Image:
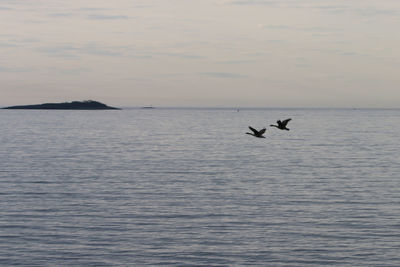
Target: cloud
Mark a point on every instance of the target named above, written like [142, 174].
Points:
[277, 27]
[76, 51]
[346, 6]
[316, 29]
[106, 17]
[339, 52]
[181, 55]
[28, 40]
[8, 45]
[226, 75]
[101, 51]
[61, 15]
[377, 12]
[234, 62]
[7, 69]
[275, 41]
[94, 9]
[254, 2]
[65, 51]
[371, 11]
[347, 53]
[70, 71]
[332, 8]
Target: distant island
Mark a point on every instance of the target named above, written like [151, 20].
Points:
[78, 105]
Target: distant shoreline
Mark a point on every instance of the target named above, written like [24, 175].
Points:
[74, 105]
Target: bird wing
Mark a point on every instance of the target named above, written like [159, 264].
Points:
[254, 130]
[262, 131]
[285, 122]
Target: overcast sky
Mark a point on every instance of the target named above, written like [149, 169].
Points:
[228, 53]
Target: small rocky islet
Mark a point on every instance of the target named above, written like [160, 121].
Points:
[75, 105]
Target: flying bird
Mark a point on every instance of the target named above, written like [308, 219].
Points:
[281, 124]
[256, 133]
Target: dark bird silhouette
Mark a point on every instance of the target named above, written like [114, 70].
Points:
[281, 124]
[256, 133]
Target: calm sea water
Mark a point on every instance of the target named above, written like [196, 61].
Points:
[188, 187]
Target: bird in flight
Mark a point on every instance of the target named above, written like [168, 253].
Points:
[256, 133]
[281, 124]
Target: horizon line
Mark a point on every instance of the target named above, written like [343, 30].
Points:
[238, 107]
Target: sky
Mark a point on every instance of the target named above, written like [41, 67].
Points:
[208, 53]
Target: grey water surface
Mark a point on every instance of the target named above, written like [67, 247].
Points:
[188, 187]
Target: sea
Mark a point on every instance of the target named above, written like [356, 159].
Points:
[189, 187]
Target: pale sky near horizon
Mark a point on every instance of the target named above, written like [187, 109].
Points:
[226, 53]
